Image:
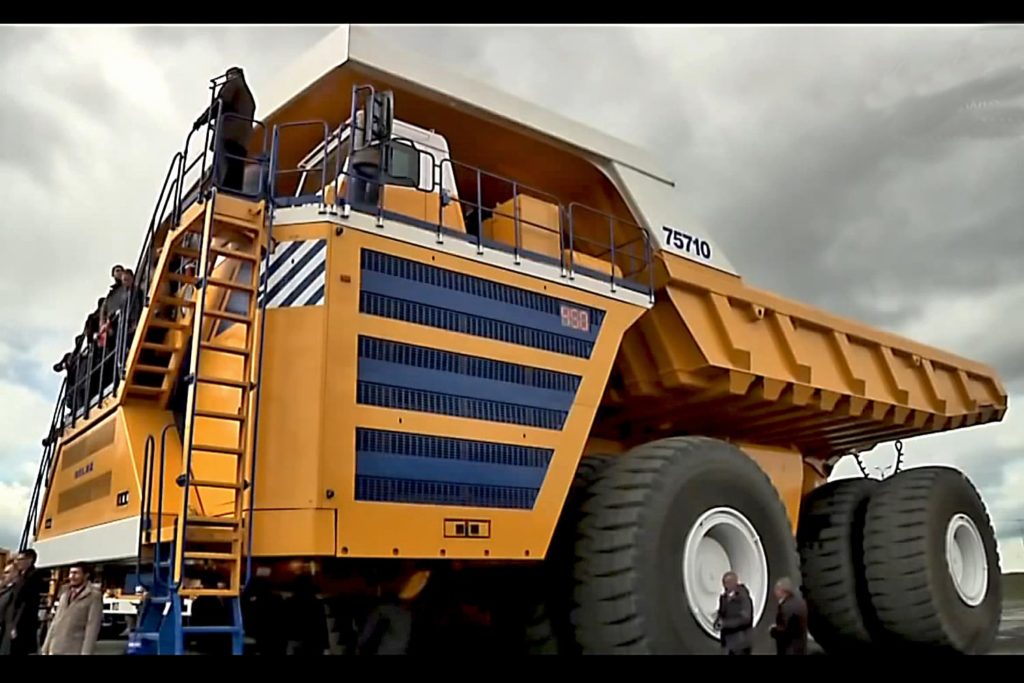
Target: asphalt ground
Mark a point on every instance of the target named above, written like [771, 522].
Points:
[1009, 642]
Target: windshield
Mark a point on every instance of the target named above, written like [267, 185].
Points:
[433, 171]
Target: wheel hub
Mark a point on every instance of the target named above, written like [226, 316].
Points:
[722, 539]
[966, 559]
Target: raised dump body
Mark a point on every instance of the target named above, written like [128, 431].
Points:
[719, 357]
[439, 332]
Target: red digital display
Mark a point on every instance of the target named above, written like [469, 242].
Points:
[575, 318]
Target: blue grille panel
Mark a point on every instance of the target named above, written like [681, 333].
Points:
[404, 443]
[453, 321]
[428, 295]
[457, 406]
[473, 366]
[387, 264]
[372, 489]
[398, 467]
[407, 377]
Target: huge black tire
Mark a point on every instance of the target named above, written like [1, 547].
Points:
[561, 558]
[631, 588]
[830, 537]
[909, 578]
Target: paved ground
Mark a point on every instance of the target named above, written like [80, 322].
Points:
[1011, 631]
[1010, 641]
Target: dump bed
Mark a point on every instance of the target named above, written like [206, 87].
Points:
[723, 358]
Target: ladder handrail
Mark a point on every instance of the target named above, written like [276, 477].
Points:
[160, 509]
[145, 503]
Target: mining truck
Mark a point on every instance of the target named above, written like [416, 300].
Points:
[446, 361]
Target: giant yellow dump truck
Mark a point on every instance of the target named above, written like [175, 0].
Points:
[445, 363]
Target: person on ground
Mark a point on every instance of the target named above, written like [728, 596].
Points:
[790, 628]
[7, 583]
[76, 625]
[31, 584]
[735, 619]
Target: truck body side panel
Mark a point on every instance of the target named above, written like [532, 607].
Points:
[457, 401]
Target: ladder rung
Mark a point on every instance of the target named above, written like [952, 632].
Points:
[213, 346]
[230, 253]
[185, 251]
[212, 592]
[210, 484]
[169, 324]
[181, 277]
[175, 301]
[218, 415]
[151, 391]
[165, 348]
[210, 556]
[229, 284]
[155, 369]
[236, 223]
[209, 448]
[227, 315]
[198, 520]
[223, 381]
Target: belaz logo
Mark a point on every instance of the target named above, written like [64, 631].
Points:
[84, 470]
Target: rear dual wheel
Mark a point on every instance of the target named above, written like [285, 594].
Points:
[907, 562]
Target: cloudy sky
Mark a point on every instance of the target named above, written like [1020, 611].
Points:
[872, 171]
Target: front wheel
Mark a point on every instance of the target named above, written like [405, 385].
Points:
[659, 528]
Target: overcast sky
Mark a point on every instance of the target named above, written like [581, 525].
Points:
[875, 172]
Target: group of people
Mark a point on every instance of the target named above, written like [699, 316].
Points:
[74, 628]
[735, 618]
[122, 305]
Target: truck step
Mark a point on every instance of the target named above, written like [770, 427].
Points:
[198, 520]
[226, 557]
[204, 630]
[145, 391]
[163, 348]
[212, 346]
[218, 415]
[223, 381]
[210, 448]
[226, 315]
[169, 324]
[185, 251]
[182, 278]
[229, 253]
[211, 484]
[155, 369]
[228, 284]
[175, 301]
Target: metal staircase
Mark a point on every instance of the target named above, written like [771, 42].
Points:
[202, 325]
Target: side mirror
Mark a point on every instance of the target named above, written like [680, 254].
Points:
[401, 164]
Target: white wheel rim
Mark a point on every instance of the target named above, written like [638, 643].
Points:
[722, 540]
[966, 559]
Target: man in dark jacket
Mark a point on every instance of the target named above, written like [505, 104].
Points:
[238, 105]
[31, 585]
[735, 617]
[6, 599]
[790, 629]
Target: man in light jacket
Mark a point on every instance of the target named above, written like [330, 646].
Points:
[76, 625]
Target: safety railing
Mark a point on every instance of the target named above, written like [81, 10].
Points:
[147, 520]
[622, 255]
[45, 467]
